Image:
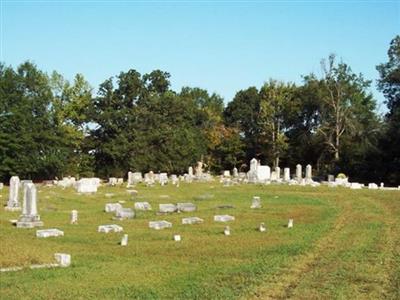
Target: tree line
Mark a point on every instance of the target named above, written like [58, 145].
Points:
[51, 127]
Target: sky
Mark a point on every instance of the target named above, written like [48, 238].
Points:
[221, 46]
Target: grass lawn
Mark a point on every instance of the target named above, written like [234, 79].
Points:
[345, 244]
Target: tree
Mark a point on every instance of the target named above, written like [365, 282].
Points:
[275, 100]
[389, 84]
[242, 113]
[344, 102]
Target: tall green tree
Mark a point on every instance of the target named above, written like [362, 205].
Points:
[275, 101]
[389, 84]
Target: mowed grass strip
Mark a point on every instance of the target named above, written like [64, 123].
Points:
[206, 264]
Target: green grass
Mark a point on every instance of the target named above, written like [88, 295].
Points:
[345, 244]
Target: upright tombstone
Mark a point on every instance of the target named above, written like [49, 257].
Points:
[1, 185]
[256, 202]
[235, 172]
[278, 173]
[124, 241]
[299, 175]
[130, 179]
[29, 217]
[286, 174]
[74, 216]
[290, 223]
[227, 230]
[163, 178]
[13, 202]
[308, 173]
[262, 227]
[263, 173]
[199, 169]
[190, 171]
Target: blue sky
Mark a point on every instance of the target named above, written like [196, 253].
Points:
[222, 46]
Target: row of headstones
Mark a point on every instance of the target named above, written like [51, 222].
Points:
[259, 172]
[158, 225]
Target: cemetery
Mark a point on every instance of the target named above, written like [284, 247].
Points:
[199, 149]
[254, 238]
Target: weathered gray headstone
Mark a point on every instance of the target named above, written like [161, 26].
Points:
[74, 216]
[110, 228]
[223, 218]
[142, 206]
[30, 217]
[167, 208]
[192, 220]
[124, 214]
[256, 202]
[186, 207]
[308, 173]
[53, 232]
[13, 201]
[227, 230]
[124, 241]
[160, 224]
[112, 207]
[299, 175]
[286, 174]
[63, 259]
[290, 223]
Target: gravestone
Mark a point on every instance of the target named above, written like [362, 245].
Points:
[177, 238]
[167, 208]
[120, 181]
[160, 224]
[74, 216]
[331, 178]
[66, 182]
[262, 228]
[186, 207]
[13, 201]
[256, 202]
[235, 172]
[63, 259]
[372, 186]
[87, 185]
[290, 223]
[112, 181]
[192, 220]
[45, 233]
[227, 230]
[30, 217]
[174, 179]
[223, 218]
[263, 173]
[163, 179]
[227, 173]
[278, 173]
[112, 207]
[299, 175]
[110, 228]
[190, 171]
[1, 185]
[286, 174]
[124, 214]
[124, 241]
[274, 176]
[142, 206]
[308, 173]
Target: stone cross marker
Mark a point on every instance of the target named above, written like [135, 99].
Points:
[13, 203]
[29, 217]
[74, 216]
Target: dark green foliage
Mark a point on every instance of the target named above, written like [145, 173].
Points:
[50, 127]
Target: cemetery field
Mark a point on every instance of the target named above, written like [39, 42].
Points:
[344, 244]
